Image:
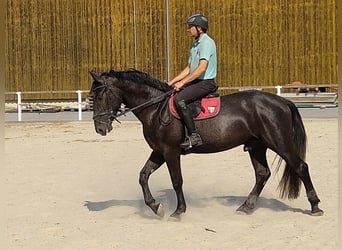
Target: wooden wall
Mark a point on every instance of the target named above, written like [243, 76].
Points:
[51, 44]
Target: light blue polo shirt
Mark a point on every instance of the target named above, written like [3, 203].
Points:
[204, 48]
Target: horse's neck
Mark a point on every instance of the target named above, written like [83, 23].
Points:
[136, 94]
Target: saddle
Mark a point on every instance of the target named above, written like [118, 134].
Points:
[205, 108]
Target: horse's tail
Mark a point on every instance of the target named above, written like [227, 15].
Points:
[290, 183]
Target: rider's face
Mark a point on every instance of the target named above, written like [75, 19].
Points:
[192, 30]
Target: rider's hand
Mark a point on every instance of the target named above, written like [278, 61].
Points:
[178, 86]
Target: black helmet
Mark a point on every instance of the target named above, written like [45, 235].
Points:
[198, 20]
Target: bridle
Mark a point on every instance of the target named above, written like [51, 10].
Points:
[112, 116]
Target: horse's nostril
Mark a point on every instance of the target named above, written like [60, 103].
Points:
[100, 131]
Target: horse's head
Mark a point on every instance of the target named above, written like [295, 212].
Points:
[106, 102]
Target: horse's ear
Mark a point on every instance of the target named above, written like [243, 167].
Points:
[94, 75]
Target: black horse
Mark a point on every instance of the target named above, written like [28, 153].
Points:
[255, 119]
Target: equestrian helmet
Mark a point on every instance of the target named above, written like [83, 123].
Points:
[198, 20]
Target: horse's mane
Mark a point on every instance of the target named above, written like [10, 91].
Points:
[138, 76]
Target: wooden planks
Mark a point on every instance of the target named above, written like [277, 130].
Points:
[51, 44]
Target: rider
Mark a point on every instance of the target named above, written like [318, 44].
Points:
[196, 80]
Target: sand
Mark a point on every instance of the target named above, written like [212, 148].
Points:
[69, 188]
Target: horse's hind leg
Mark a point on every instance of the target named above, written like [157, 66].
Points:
[302, 171]
[153, 163]
[262, 173]
[310, 191]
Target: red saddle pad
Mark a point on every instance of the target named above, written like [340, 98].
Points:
[211, 108]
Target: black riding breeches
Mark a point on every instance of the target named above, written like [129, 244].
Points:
[195, 90]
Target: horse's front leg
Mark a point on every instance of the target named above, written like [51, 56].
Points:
[173, 164]
[153, 163]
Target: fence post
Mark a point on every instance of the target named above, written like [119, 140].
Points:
[278, 87]
[79, 98]
[19, 105]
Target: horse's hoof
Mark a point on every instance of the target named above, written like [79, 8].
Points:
[243, 209]
[160, 210]
[175, 217]
[317, 213]
[177, 214]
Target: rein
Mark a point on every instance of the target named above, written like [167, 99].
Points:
[113, 116]
[144, 105]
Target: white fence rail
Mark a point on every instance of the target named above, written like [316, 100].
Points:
[19, 99]
[315, 97]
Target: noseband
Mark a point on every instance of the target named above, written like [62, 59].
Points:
[111, 117]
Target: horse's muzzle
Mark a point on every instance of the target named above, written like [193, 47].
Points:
[103, 128]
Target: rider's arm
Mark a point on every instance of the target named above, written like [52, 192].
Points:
[194, 75]
[181, 75]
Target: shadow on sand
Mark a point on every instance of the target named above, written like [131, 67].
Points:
[168, 199]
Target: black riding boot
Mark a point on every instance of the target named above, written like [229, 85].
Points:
[193, 139]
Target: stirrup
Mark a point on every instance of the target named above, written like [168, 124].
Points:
[191, 141]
